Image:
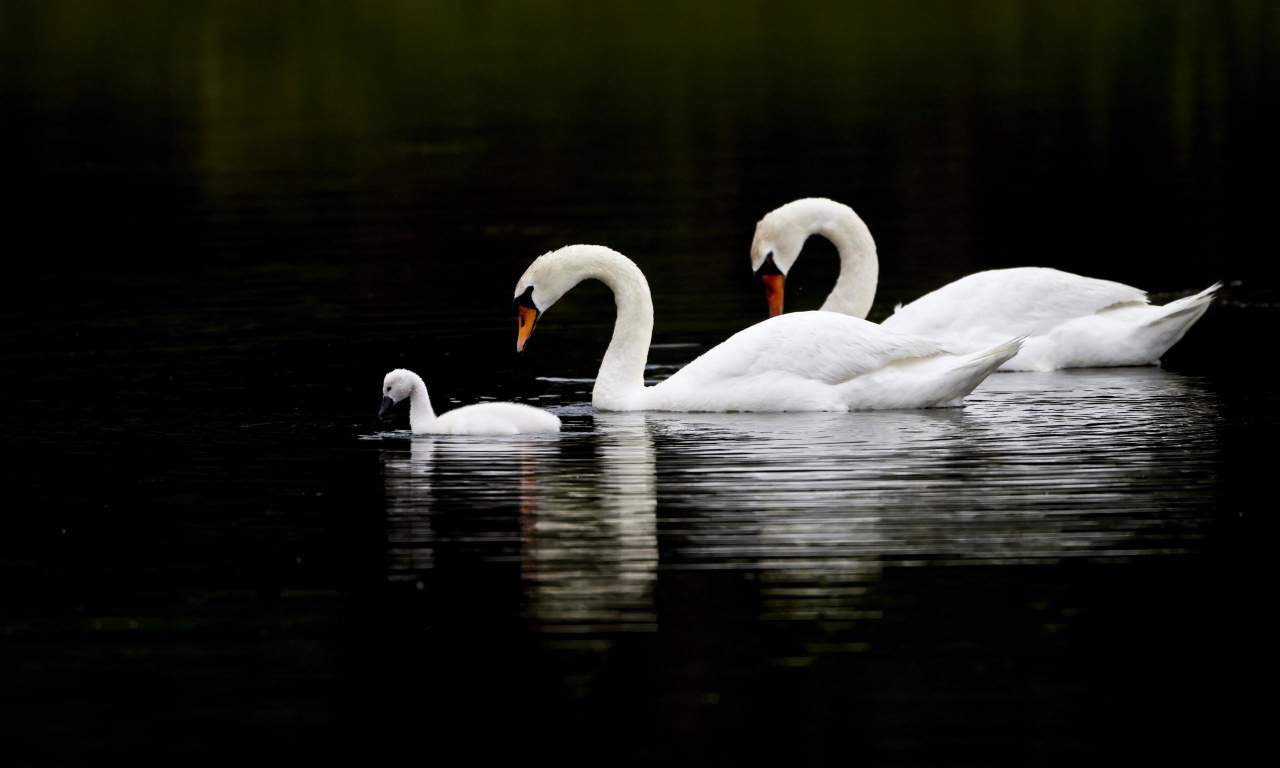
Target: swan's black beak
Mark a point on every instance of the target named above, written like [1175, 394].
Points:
[774, 281]
[386, 405]
[526, 316]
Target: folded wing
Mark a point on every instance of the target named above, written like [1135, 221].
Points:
[812, 346]
[1007, 302]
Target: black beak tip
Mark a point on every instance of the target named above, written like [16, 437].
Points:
[768, 267]
[386, 405]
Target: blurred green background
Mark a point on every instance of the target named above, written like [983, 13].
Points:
[1128, 140]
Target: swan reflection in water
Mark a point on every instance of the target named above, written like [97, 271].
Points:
[591, 549]
[1036, 466]
[1035, 469]
[586, 506]
[408, 483]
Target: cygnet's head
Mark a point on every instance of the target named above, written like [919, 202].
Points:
[780, 236]
[396, 386]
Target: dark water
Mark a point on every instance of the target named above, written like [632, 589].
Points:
[229, 220]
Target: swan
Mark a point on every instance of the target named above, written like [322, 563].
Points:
[479, 419]
[805, 361]
[1070, 321]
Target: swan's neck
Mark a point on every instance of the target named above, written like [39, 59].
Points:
[620, 383]
[621, 379]
[420, 412]
[859, 267]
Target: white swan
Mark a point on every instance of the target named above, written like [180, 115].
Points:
[1070, 321]
[479, 419]
[806, 361]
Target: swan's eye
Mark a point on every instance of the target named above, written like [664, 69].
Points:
[388, 389]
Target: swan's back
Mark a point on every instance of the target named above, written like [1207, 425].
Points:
[1072, 321]
[999, 303]
[806, 361]
[819, 346]
[495, 419]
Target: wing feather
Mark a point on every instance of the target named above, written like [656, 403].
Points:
[1026, 300]
[814, 346]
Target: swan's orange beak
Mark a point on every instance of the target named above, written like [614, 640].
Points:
[773, 292]
[773, 280]
[527, 317]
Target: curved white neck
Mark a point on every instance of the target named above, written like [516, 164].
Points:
[420, 411]
[855, 289]
[621, 379]
[620, 383]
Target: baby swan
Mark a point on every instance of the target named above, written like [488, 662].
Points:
[480, 419]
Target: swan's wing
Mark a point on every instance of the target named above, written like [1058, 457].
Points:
[1009, 302]
[816, 346]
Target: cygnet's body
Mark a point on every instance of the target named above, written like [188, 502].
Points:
[479, 419]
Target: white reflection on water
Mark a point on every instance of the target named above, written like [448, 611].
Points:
[591, 549]
[588, 543]
[409, 501]
[1035, 468]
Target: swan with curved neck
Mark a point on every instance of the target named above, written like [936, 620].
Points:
[1070, 321]
[479, 419]
[781, 234]
[805, 361]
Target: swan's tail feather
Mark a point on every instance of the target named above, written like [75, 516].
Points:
[965, 372]
[993, 358]
[1191, 307]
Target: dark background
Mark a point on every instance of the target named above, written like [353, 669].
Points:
[409, 159]
[226, 221]
[1127, 140]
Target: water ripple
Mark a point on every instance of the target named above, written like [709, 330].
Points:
[1036, 468]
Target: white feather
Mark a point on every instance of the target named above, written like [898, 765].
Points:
[479, 419]
[807, 361]
[1070, 321]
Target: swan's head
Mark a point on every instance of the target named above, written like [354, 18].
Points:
[551, 276]
[396, 386]
[780, 236]
[774, 249]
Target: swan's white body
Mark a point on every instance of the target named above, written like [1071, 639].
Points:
[807, 361]
[479, 419]
[1069, 321]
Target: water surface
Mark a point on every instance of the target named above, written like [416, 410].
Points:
[233, 218]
